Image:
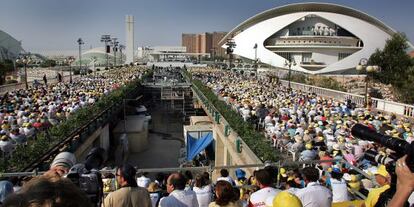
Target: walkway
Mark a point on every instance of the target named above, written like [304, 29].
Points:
[165, 140]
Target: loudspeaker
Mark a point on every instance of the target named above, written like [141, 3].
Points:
[108, 49]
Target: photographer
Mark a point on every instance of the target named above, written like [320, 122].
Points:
[405, 184]
[61, 164]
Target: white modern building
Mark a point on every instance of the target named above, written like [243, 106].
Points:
[320, 38]
[166, 53]
[9, 47]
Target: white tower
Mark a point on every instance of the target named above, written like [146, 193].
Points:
[129, 23]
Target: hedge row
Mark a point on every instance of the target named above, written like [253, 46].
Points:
[254, 139]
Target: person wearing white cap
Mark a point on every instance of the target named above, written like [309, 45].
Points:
[62, 163]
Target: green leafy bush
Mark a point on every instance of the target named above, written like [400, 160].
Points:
[255, 140]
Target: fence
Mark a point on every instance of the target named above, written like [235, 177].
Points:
[377, 104]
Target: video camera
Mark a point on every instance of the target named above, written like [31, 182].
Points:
[399, 146]
[87, 177]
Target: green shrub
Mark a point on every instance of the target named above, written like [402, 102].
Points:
[11, 81]
[255, 140]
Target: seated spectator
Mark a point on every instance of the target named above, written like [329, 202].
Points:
[155, 193]
[224, 195]
[383, 178]
[225, 176]
[314, 194]
[285, 199]
[7, 145]
[308, 154]
[241, 177]
[203, 191]
[143, 181]
[264, 181]
[338, 186]
[178, 197]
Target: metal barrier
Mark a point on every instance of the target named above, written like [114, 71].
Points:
[377, 104]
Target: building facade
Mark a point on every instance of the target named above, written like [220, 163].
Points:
[321, 38]
[204, 43]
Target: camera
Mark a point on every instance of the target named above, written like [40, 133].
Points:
[87, 177]
[374, 156]
[399, 146]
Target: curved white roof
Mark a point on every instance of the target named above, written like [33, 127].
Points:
[258, 28]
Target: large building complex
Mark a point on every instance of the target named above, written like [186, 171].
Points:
[9, 47]
[319, 37]
[204, 43]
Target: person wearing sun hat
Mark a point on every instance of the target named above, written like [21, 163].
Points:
[308, 153]
[383, 178]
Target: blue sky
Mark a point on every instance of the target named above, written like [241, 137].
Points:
[55, 25]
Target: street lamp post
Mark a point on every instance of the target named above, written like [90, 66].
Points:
[69, 61]
[80, 43]
[24, 59]
[115, 48]
[363, 66]
[289, 63]
[106, 39]
[230, 46]
[121, 47]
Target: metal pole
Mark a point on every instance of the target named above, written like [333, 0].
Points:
[25, 76]
[107, 57]
[366, 90]
[290, 67]
[70, 72]
[114, 56]
[80, 59]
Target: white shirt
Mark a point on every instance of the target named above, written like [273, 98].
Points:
[204, 195]
[258, 198]
[339, 190]
[179, 198]
[143, 181]
[228, 179]
[315, 195]
[154, 198]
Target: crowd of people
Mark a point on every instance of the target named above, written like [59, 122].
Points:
[308, 126]
[25, 112]
[266, 187]
[304, 124]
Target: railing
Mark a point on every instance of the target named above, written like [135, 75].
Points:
[377, 104]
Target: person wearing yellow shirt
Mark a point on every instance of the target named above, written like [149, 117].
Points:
[383, 178]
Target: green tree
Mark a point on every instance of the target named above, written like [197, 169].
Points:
[48, 63]
[6, 66]
[394, 61]
[397, 67]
